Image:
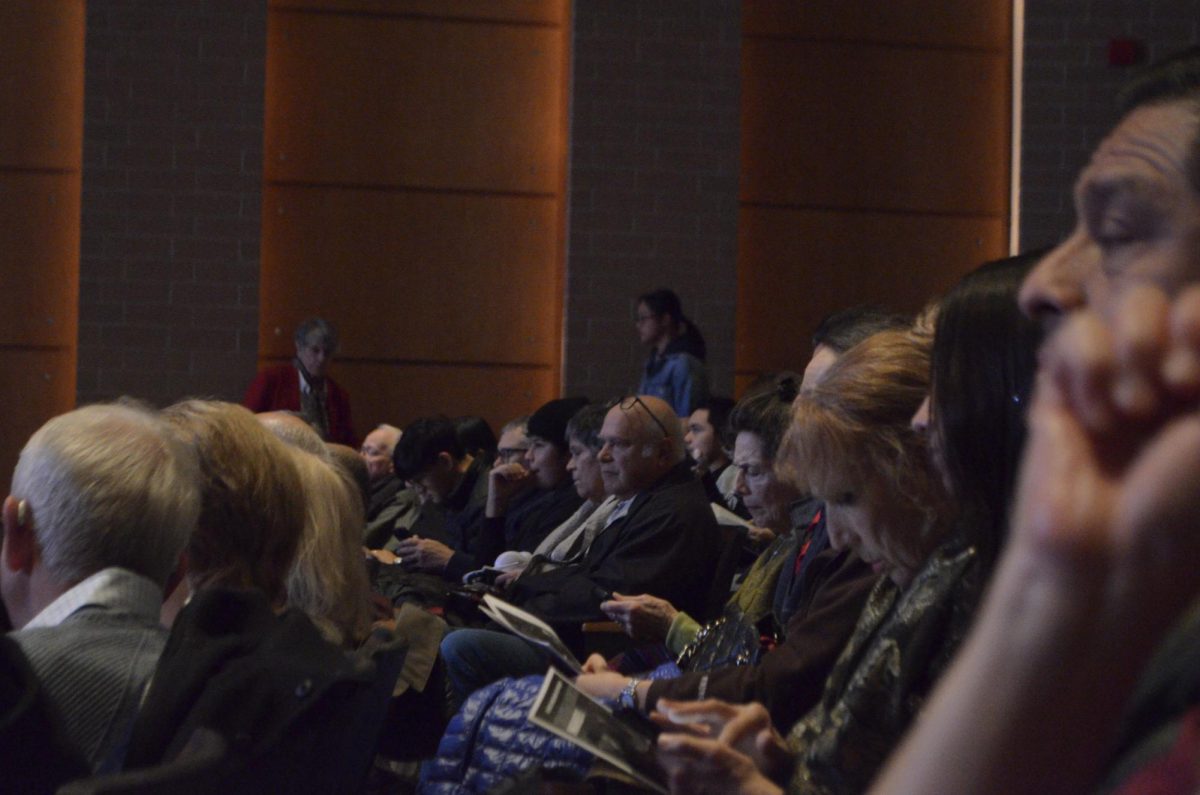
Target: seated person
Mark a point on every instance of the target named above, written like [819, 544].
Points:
[392, 506]
[476, 437]
[523, 503]
[661, 538]
[1081, 674]
[431, 458]
[523, 519]
[799, 584]
[705, 437]
[238, 661]
[570, 540]
[103, 501]
[937, 562]
[513, 442]
[328, 580]
[304, 387]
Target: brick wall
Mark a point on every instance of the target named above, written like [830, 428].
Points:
[653, 185]
[172, 172]
[1069, 92]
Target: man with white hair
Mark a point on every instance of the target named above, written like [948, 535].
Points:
[103, 502]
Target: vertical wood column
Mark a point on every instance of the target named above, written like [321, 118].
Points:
[875, 160]
[41, 135]
[413, 195]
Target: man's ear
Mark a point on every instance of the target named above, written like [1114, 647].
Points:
[20, 547]
[445, 460]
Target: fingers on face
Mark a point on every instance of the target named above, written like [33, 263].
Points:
[1181, 366]
[1079, 368]
[1141, 342]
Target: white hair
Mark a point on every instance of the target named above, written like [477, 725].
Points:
[109, 485]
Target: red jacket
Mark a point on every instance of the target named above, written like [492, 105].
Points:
[278, 389]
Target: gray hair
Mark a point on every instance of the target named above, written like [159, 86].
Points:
[326, 334]
[109, 485]
[292, 429]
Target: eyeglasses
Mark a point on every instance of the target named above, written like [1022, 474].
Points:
[628, 403]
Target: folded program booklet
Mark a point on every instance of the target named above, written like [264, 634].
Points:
[531, 628]
[562, 709]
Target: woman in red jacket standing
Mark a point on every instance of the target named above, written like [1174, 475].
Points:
[303, 386]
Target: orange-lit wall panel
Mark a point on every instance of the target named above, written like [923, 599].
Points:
[41, 133]
[838, 260]
[414, 189]
[875, 160]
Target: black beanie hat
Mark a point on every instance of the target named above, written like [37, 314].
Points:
[550, 421]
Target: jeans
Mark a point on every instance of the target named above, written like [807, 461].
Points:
[478, 657]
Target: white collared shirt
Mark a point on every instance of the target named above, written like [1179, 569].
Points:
[620, 511]
[111, 588]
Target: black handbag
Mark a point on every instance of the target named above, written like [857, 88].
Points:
[729, 640]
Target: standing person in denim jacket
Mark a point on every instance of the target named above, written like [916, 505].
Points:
[675, 370]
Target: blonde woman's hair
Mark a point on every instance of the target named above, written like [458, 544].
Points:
[854, 426]
[329, 579]
[251, 505]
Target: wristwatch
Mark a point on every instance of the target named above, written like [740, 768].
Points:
[628, 697]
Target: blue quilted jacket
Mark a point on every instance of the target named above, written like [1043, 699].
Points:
[489, 741]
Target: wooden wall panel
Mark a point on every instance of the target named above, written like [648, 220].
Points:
[796, 266]
[415, 169]
[438, 277]
[39, 248]
[41, 90]
[420, 103]
[911, 22]
[859, 126]
[41, 147]
[399, 394]
[875, 160]
[43, 386]
[549, 12]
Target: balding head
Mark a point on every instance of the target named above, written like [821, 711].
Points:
[377, 451]
[291, 428]
[643, 441]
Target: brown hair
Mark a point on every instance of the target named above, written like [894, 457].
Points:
[329, 578]
[855, 425]
[251, 510]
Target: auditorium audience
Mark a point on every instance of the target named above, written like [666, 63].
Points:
[799, 584]
[675, 370]
[304, 386]
[661, 538]
[882, 486]
[104, 499]
[936, 568]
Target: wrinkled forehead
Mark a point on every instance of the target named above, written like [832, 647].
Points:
[1155, 142]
